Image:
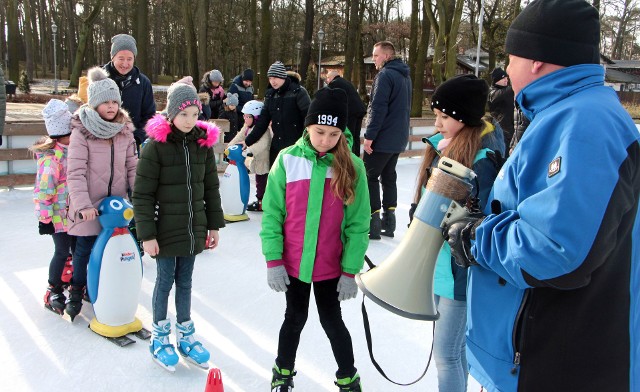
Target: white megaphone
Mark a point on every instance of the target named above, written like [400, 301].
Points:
[403, 282]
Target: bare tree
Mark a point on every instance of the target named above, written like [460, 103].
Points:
[85, 30]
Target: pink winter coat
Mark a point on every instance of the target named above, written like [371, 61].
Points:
[97, 168]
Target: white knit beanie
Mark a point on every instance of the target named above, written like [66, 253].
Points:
[57, 118]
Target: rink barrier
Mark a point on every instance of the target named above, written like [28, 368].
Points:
[18, 166]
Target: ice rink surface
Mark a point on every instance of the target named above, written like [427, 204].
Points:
[237, 318]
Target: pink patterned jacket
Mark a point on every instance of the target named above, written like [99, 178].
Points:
[50, 190]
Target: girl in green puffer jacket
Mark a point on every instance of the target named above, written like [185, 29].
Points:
[176, 202]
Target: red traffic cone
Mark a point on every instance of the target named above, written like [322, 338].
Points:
[214, 381]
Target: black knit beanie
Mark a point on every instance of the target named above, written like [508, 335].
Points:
[561, 32]
[329, 107]
[463, 98]
[497, 75]
[247, 74]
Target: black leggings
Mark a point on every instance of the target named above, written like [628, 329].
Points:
[64, 245]
[295, 316]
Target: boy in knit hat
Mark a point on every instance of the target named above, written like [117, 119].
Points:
[50, 197]
[177, 215]
[101, 142]
[135, 88]
[554, 266]
[243, 86]
[211, 84]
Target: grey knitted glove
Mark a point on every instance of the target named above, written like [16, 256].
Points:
[278, 278]
[347, 288]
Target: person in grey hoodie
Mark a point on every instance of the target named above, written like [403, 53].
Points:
[386, 135]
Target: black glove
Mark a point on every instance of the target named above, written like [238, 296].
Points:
[46, 228]
[459, 235]
[412, 211]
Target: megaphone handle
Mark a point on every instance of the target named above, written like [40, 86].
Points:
[367, 333]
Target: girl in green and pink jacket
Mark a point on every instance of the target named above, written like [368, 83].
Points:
[315, 232]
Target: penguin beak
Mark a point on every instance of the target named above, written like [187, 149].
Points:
[128, 214]
[226, 152]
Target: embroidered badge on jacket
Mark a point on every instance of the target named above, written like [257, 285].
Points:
[554, 167]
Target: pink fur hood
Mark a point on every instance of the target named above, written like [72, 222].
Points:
[158, 128]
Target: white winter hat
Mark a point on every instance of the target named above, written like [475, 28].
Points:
[57, 118]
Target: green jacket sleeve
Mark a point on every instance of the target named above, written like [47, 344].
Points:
[144, 192]
[274, 212]
[355, 231]
[213, 204]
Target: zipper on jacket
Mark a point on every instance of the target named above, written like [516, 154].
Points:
[190, 195]
[112, 167]
[517, 337]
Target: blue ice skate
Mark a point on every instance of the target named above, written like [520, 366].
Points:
[190, 348]
[163, 352]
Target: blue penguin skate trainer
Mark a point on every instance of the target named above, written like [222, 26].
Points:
[163, 352]
[114, 276]
[234, 186]
[189, 347]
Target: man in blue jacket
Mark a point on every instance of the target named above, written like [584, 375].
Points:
[386, 135]
[554, 284]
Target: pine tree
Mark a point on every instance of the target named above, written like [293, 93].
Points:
[23, 83]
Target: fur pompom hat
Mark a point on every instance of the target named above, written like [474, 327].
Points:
[181, 95]
[101, 89]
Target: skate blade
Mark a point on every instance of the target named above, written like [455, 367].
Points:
[59, 312]
[169, 368]
[203, 365]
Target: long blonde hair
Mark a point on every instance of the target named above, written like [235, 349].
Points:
[463, 148]
[43, 144]
[344, 172]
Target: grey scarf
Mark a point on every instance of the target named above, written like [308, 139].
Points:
[96, 125]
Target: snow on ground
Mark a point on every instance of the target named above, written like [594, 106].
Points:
[237, 317]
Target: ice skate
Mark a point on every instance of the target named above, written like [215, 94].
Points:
[54, 299]
[161, 349]
[256, 206]
[388, 222]
[349, 384]
[74, 303]
[190, 348]
[282, 380]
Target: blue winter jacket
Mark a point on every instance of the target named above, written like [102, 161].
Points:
[245, 94]
[389, 108]
[554, 303]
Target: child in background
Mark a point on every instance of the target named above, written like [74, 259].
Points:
[178, 212]
[50, 196]
[101, 162]
[230, 113]
[315, 232]
[259, 163]
[459, 106]
[211, 84]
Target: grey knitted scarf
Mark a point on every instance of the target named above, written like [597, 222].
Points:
[96, 125]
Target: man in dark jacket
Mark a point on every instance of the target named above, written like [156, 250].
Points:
[386, 135]
[135, 87]
[357, 110]
[285, 107]
[501, 102]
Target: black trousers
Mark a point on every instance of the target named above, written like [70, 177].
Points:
[381, 170]
[295, 317]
